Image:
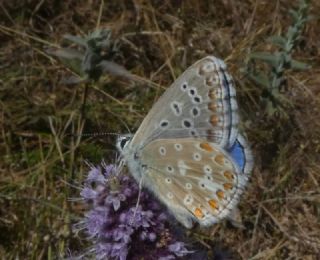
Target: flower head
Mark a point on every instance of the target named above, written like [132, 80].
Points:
[120, 227]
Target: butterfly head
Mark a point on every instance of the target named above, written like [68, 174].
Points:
[123, 142]
[130, 156]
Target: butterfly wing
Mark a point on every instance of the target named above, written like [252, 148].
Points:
[188, 150]
[200, 103]
[241, 154]
[196, 179]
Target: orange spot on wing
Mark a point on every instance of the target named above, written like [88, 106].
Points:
[212, 106]
[207, 147]
[212, 94]
[220, 194]
[211, 81]
[213, 203]
[228, 186]
[219, 159]
[228, 175]
[214, 119]
[198, 213]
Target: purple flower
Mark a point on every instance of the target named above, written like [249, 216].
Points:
[115, 199]
[121, 229]
[178, 248]
[95, 175]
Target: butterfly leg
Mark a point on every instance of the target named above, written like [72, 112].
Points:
[181, 217]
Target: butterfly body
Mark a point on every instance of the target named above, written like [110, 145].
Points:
[188, 150]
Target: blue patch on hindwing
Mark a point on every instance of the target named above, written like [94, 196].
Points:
[237, 154]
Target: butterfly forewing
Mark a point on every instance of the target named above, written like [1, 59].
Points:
[195, 179]
[200, 104]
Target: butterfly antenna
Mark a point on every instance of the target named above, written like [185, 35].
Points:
[94, 134]
[138, 201]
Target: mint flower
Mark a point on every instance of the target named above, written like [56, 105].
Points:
[118, 226]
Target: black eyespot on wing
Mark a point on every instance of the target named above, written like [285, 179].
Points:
[184, 86]
[192, 92]
[195, 111]
[186, 123]
[176, 108]
[164, 123]
[197, 99]
[194, 133]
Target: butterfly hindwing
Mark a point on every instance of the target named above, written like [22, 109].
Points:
[200, 104]
[195, 179]
[241, 154]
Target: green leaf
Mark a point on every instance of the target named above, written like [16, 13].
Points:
[70, 58]
[73, 80]
[260, 79]
[267, 57]
[298, 65]
[115, 69]
[278, 40]
[292, 32]
[76, 39]
[294, 14]
[310, 18]
[66, 53]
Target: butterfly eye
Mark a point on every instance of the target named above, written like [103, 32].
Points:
[123, 142]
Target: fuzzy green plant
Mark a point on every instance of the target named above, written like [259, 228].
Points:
[92, 57]
[274, 79]
[89, 58]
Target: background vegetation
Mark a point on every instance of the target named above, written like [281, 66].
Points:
[43, 110]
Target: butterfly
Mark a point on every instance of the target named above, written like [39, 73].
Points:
[188, 150]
